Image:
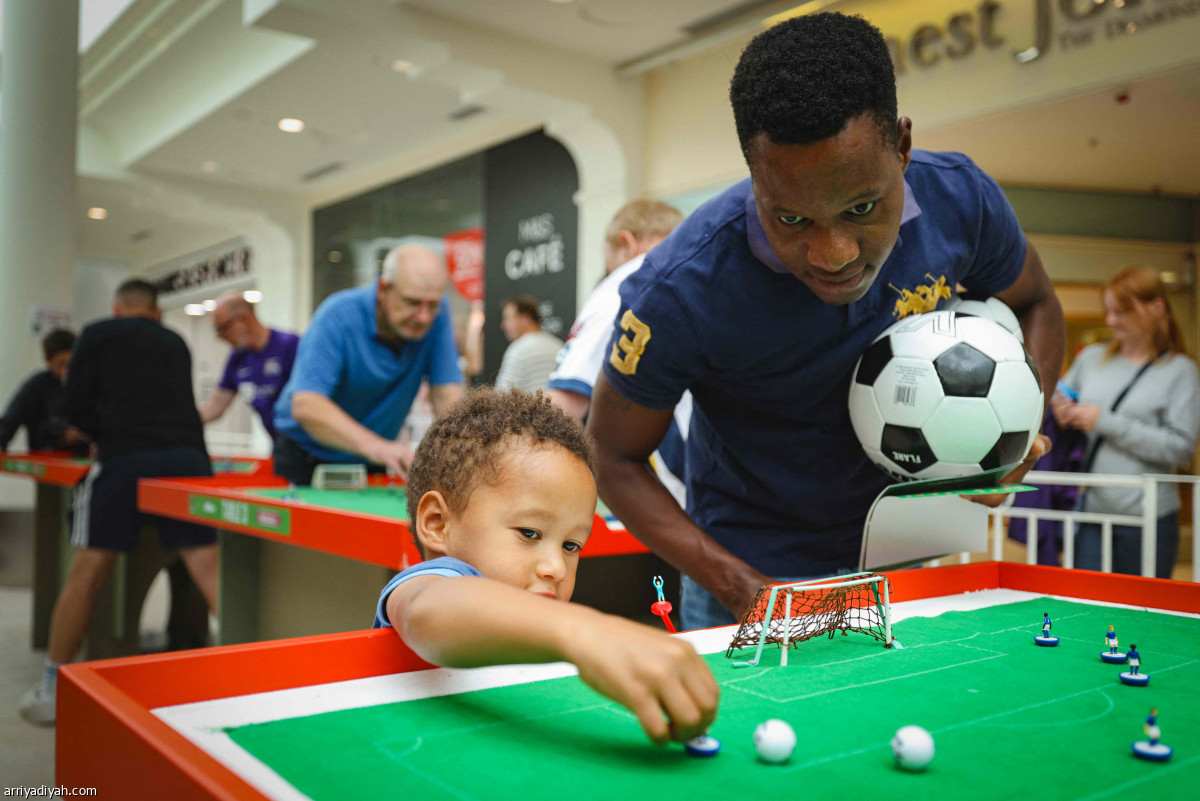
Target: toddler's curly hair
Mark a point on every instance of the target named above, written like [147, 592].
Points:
[464, 448]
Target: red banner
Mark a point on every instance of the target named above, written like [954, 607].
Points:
[464, 259]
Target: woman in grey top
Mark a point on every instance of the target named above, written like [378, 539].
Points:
[1145, 372]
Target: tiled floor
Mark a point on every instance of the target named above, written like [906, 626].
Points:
[26, 752]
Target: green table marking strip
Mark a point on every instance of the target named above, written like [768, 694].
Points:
[1009, 719]
[240, 513]
[29, 468]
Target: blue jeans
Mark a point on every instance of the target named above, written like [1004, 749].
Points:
[1127, 547]
[699, 609]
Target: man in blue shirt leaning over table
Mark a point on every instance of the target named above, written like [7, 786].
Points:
[763, 299]
[360, 365]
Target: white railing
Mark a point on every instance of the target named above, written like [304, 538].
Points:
[1147, 521]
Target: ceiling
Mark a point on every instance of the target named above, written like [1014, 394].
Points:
[362, 112]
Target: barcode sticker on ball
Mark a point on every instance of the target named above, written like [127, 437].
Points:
[906, 395]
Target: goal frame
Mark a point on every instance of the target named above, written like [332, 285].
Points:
[880, 588]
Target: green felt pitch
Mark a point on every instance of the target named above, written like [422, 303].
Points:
[385, 501]
[1010, 720]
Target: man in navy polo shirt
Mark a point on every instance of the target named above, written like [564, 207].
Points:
[360, 365]
[761, 302]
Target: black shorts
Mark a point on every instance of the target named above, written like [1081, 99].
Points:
[104, 508]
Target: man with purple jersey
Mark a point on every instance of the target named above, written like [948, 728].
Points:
[762, 301]
[259, 365]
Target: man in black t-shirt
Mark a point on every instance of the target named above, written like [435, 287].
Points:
[37, 405]
[130, 390]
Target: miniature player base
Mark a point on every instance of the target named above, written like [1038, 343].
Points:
[1114, 659]
[1155, 753]
[1135, 679]
[1048, 642]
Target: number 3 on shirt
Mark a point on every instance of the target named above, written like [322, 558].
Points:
[627, 350]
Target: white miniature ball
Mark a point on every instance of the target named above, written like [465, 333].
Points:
[912, 747]
[775, 741]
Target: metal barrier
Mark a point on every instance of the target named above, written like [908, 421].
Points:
[1147, 521]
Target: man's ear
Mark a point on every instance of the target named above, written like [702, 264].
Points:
[432, 523]
[904, 141]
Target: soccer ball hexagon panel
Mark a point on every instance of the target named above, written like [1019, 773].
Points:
[943, 394]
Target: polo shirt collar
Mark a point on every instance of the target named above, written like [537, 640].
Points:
[761, 248]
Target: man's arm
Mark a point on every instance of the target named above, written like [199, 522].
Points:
[21, 409]
[442, 396]
[1037, 308]
[575, 404]
[626, 434]
[328, 423]
[216, 405]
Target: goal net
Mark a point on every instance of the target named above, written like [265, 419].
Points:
[786, 614]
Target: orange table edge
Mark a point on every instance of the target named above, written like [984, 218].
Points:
[108, 738]
[369, 538]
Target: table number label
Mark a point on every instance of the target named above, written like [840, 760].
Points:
[240, 513]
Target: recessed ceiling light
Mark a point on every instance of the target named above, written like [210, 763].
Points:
[208, 305]
[335, 256]
[252, 296]
[400, 65]
[1169, 277]
[291, 125]
[97, 213]
[209, 166]
[194, 309]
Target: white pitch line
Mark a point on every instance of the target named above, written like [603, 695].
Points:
[869, 683]
[834, 757]
[1108, 791]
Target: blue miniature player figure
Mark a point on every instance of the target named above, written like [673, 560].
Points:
[1112, 656]
[1152, 749]
[1044, 638]
[1132, 676]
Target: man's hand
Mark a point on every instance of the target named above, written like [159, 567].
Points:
[73, 436]
[395, 456]
[1041, 446]
[660, 679]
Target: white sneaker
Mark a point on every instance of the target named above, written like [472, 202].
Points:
[37, 705]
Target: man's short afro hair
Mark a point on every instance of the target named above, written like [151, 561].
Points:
[464, 447]
[803, 80]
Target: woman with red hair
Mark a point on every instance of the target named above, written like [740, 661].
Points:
[1138, 399]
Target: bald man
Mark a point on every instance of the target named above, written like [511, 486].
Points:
[360, 365]
[259, 365]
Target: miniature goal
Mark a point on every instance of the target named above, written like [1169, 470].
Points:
[786, 614]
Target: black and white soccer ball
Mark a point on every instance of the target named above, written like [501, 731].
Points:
[944, 394]
[992, 309]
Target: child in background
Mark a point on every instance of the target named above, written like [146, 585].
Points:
[501, 499]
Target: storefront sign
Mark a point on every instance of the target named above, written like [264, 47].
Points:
[233, 264]
[1053, 24]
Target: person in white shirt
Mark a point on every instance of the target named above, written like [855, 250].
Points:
[530, 357]
[636, 228]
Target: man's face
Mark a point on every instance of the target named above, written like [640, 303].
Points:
[410, 304]
[511, 322]
[231, 326]
[831, 209]
[58, 364]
